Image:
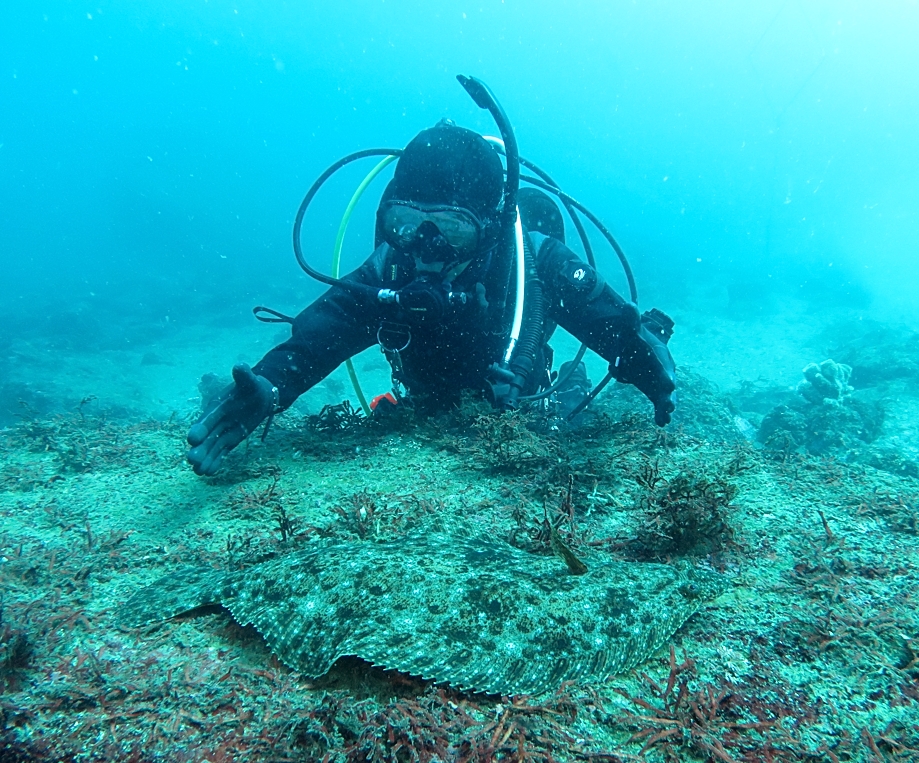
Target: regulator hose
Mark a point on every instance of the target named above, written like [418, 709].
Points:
[336, 262]
[531, 335]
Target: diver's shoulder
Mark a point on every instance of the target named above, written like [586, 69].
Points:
[544, 246]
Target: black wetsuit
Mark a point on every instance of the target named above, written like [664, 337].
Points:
[444, 358]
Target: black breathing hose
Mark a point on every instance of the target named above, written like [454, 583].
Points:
[500, 278]
[532, 333]
[571, 205]
[485, 99]
[301, 212]
[569, 208]
[623, 261]
[589, 253]
[627, 269]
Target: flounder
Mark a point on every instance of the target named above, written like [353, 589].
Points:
[475, 614]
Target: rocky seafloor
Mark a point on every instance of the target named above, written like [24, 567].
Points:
[803, 495]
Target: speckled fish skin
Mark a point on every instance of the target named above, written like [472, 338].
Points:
[475, 614]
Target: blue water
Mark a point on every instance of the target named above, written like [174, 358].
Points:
[152, 155]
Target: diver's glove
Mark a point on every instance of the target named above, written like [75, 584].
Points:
[230, 419]
[646, 363]
[663, 408]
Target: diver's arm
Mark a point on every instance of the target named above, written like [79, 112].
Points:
[585, 306]
[338, 325]
[334, 327]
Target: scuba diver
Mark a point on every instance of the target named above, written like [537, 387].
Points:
[469, 278]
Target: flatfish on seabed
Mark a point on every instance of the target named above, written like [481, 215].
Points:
[476, 614]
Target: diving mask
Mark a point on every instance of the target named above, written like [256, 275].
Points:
[407, 225]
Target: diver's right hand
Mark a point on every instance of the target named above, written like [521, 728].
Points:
[231, 419]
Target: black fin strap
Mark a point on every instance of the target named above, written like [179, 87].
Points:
[273, 315]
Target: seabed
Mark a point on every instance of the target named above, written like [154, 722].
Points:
[812, 654]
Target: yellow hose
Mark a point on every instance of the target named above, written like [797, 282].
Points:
[336, 260]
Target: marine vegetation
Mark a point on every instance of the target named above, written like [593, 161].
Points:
[15, 652]
[682, 515]
[508, 444]
[810, 656]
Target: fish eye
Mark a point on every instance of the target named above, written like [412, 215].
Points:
[690, 590]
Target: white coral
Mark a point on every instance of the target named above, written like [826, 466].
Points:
[826, 383]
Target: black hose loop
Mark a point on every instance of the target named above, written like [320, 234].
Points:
[485, 99]
[304, 205]
[569, 208]
[268, 315]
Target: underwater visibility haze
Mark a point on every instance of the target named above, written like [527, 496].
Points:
[738, 585]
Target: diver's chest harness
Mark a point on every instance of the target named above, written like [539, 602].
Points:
[439, 310]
